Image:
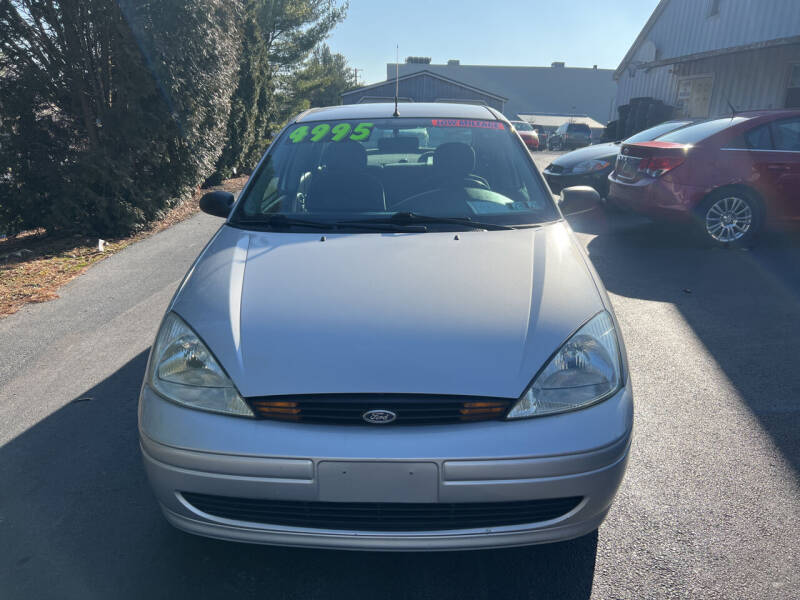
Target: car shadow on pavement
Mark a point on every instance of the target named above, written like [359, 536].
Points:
[78, 520]
[742, 304]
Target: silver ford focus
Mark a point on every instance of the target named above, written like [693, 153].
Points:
[393, 342]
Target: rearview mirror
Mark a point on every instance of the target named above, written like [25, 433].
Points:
[217, 203]
[578, 199]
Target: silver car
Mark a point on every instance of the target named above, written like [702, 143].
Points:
[390, 353]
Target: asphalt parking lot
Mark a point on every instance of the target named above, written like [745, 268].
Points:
[710, 507]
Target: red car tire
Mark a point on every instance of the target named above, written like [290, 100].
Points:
[730, 216]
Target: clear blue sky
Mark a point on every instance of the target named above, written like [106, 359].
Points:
[581, 33]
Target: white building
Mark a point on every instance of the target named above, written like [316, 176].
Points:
[706, 56]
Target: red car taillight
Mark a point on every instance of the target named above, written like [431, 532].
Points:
[658, 165]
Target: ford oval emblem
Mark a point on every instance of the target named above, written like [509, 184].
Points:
[379, 417]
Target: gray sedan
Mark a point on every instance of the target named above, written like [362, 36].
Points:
[391, 344]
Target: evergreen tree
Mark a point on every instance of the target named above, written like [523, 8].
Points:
[322, 80]
[110, 110]
[278, 36]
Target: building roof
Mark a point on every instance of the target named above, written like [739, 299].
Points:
[558, 120]
[533, 89]
[682, 30]
[641, 38]
[439, 110]
[431, 74]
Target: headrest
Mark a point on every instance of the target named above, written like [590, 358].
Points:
[454, 160]
[398, 145]
[345, 156]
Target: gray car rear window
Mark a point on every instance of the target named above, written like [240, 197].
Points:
[701, 131]
[657, 131]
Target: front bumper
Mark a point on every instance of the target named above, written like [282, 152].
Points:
[558, 181]
[583, 453]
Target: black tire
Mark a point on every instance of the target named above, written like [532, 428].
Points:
[730, 217]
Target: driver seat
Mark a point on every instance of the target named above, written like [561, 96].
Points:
[453, 164]
[447, 195]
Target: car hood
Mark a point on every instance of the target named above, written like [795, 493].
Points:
[477, 313]
[598, 151]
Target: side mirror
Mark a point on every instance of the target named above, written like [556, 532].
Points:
[217, 203]
[578, 199]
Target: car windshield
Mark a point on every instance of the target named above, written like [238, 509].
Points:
[339, 172]
[700, 131]
[522, 126]
[650, 134]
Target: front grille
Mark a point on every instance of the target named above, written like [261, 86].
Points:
[409, 410]
[382, 516]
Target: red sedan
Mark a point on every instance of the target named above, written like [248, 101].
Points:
[730, 176]
[527, 133]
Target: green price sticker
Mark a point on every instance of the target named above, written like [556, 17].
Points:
[340, 132]
[337, 133]
[362, 131]
[299, 134]
[319, 132]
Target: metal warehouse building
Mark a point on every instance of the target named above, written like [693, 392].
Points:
[704, 56]
[424, 86]
[512, 90]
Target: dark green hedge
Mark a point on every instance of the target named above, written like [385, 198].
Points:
[110, 111]
[113, 110]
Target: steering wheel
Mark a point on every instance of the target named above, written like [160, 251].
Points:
[423, 158]
[427, 199]
[479, 181]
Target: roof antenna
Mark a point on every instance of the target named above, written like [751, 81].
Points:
[396, 80]
[733, 109]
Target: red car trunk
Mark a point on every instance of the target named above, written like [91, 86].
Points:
[649, 159]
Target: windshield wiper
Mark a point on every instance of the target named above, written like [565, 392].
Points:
[411, 218]
[280, 221]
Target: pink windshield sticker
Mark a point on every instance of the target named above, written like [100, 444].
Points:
[467, 123]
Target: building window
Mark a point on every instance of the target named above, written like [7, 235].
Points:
[713, 7]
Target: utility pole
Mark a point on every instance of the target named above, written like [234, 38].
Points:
[355, 74]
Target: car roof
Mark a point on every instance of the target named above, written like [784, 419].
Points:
[439, 110]
[768, 112]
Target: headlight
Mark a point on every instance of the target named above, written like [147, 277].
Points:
[591, 165]
[585, 370]
[183, 370]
